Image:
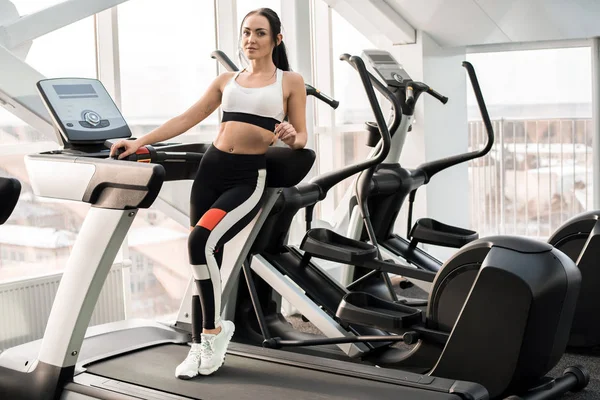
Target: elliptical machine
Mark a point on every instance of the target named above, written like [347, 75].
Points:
[391, 185]
[579, 239]
[507, 344]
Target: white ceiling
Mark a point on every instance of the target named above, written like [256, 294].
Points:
[476, 22]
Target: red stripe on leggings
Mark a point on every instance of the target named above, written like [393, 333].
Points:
[211, 218]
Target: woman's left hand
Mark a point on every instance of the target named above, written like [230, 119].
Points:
[286, 133]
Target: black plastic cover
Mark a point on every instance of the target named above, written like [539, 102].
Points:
[45, 382]
[584, 249]
[580, 224]
[10, 189]
[508, 303]
[517, 243]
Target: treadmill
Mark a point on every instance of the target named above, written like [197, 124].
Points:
[136, 359]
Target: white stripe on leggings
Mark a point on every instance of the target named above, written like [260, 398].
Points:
[230, 219]
[200, 272]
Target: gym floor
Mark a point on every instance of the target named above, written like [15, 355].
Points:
[589, 360]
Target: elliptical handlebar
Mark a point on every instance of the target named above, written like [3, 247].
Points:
[328, 180]
[396, 106]
[310, 90]
[224, 60]
[365, 77]
[482, 107]
[313, 91]
[443, 99]
[433, 167]
[421, 87]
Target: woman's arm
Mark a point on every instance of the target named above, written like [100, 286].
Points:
[207, 104]
[296, 110]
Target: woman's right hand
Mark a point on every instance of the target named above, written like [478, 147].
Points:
[129, 146]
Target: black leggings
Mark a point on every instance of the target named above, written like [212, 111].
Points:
[225, 197]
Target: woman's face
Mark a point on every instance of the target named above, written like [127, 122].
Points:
[256, 37]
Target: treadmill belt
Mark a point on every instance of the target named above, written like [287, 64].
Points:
[242, 378]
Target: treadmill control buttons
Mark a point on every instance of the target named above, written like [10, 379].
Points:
[91, 118]
[102, 124]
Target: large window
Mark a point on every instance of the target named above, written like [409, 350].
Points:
[165, 68]
[354, 107]
[38, 237]
[165, 62]
[539, 172]
[344, 143]
[69, 51]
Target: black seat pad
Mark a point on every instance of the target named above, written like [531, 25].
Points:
[10, 189]
[287, 167]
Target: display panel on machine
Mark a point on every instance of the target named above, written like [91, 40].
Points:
[386, 66]
[83, 110]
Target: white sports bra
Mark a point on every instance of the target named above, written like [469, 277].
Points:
[262, 106]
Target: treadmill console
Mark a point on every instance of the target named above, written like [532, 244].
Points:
[387, 67]
[83, 111]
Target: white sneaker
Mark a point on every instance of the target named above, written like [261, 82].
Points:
[214, 347]
[190, 366]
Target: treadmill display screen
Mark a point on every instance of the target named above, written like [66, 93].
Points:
[81, 91]
[381, 58]
[83, 110]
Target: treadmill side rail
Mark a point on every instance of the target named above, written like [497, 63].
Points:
[103, 183]
[43, 170]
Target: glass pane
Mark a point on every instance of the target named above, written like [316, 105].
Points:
[160, 268]
[163, 72]
[38, 237]
[539, 172]
[345, 142]
[340, 147]
[66, 52]
[354, 107]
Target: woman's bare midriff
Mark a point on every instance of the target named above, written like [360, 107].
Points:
[242, 138]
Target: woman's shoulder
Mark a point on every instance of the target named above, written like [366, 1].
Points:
[293, 78]
[222, 79]
[226, 75]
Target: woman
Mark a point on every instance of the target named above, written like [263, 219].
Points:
[231, 178]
